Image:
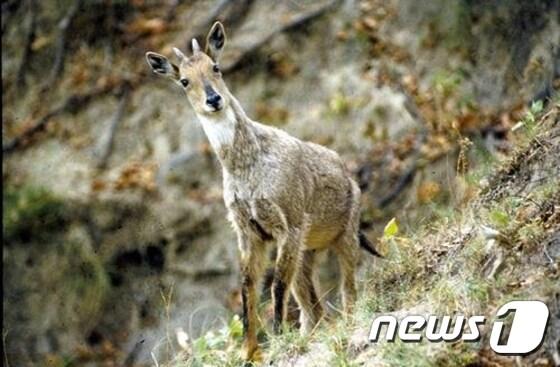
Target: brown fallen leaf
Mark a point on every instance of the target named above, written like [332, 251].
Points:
[143, 26]
[98, 185]
[40, 42]
[427, 191]
[137, 175]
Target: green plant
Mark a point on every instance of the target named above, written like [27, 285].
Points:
[529, 121]
[399, 354]
[218, 348]
[31, 213]
[340, 105]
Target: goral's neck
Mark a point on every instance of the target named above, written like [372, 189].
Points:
[232, 137]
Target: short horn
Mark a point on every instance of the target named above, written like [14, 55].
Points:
[195, 46]
[181, 56]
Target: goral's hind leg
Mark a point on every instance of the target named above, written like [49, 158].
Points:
[347, 249]
[347, 253]
[311, 309]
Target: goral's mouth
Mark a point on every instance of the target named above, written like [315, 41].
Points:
[214, 108]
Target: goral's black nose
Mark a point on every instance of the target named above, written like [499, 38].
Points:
[213, 100]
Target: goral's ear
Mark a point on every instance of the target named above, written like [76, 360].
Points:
[161, 65]
[215, 41]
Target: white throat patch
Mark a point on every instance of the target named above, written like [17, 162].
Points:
[220, 130]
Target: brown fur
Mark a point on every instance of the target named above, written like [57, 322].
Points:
[279, 191]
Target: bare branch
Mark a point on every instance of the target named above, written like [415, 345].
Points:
[213, 14]
[170, 13]
[29, 39]
[72, 104]
[291, 23]
[406, 179]
[408, 176]
[106, 144]
[9, 8]
[235, 12]
[62, 43]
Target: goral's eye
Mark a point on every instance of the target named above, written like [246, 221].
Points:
[216, 68]
[184, 82]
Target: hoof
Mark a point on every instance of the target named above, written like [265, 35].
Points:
[251, 354]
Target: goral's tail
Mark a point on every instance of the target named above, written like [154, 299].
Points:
[367, 245]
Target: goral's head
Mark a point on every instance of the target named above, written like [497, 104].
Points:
[199, 75]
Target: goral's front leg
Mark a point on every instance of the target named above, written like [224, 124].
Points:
[253, 256]
[287, 262]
